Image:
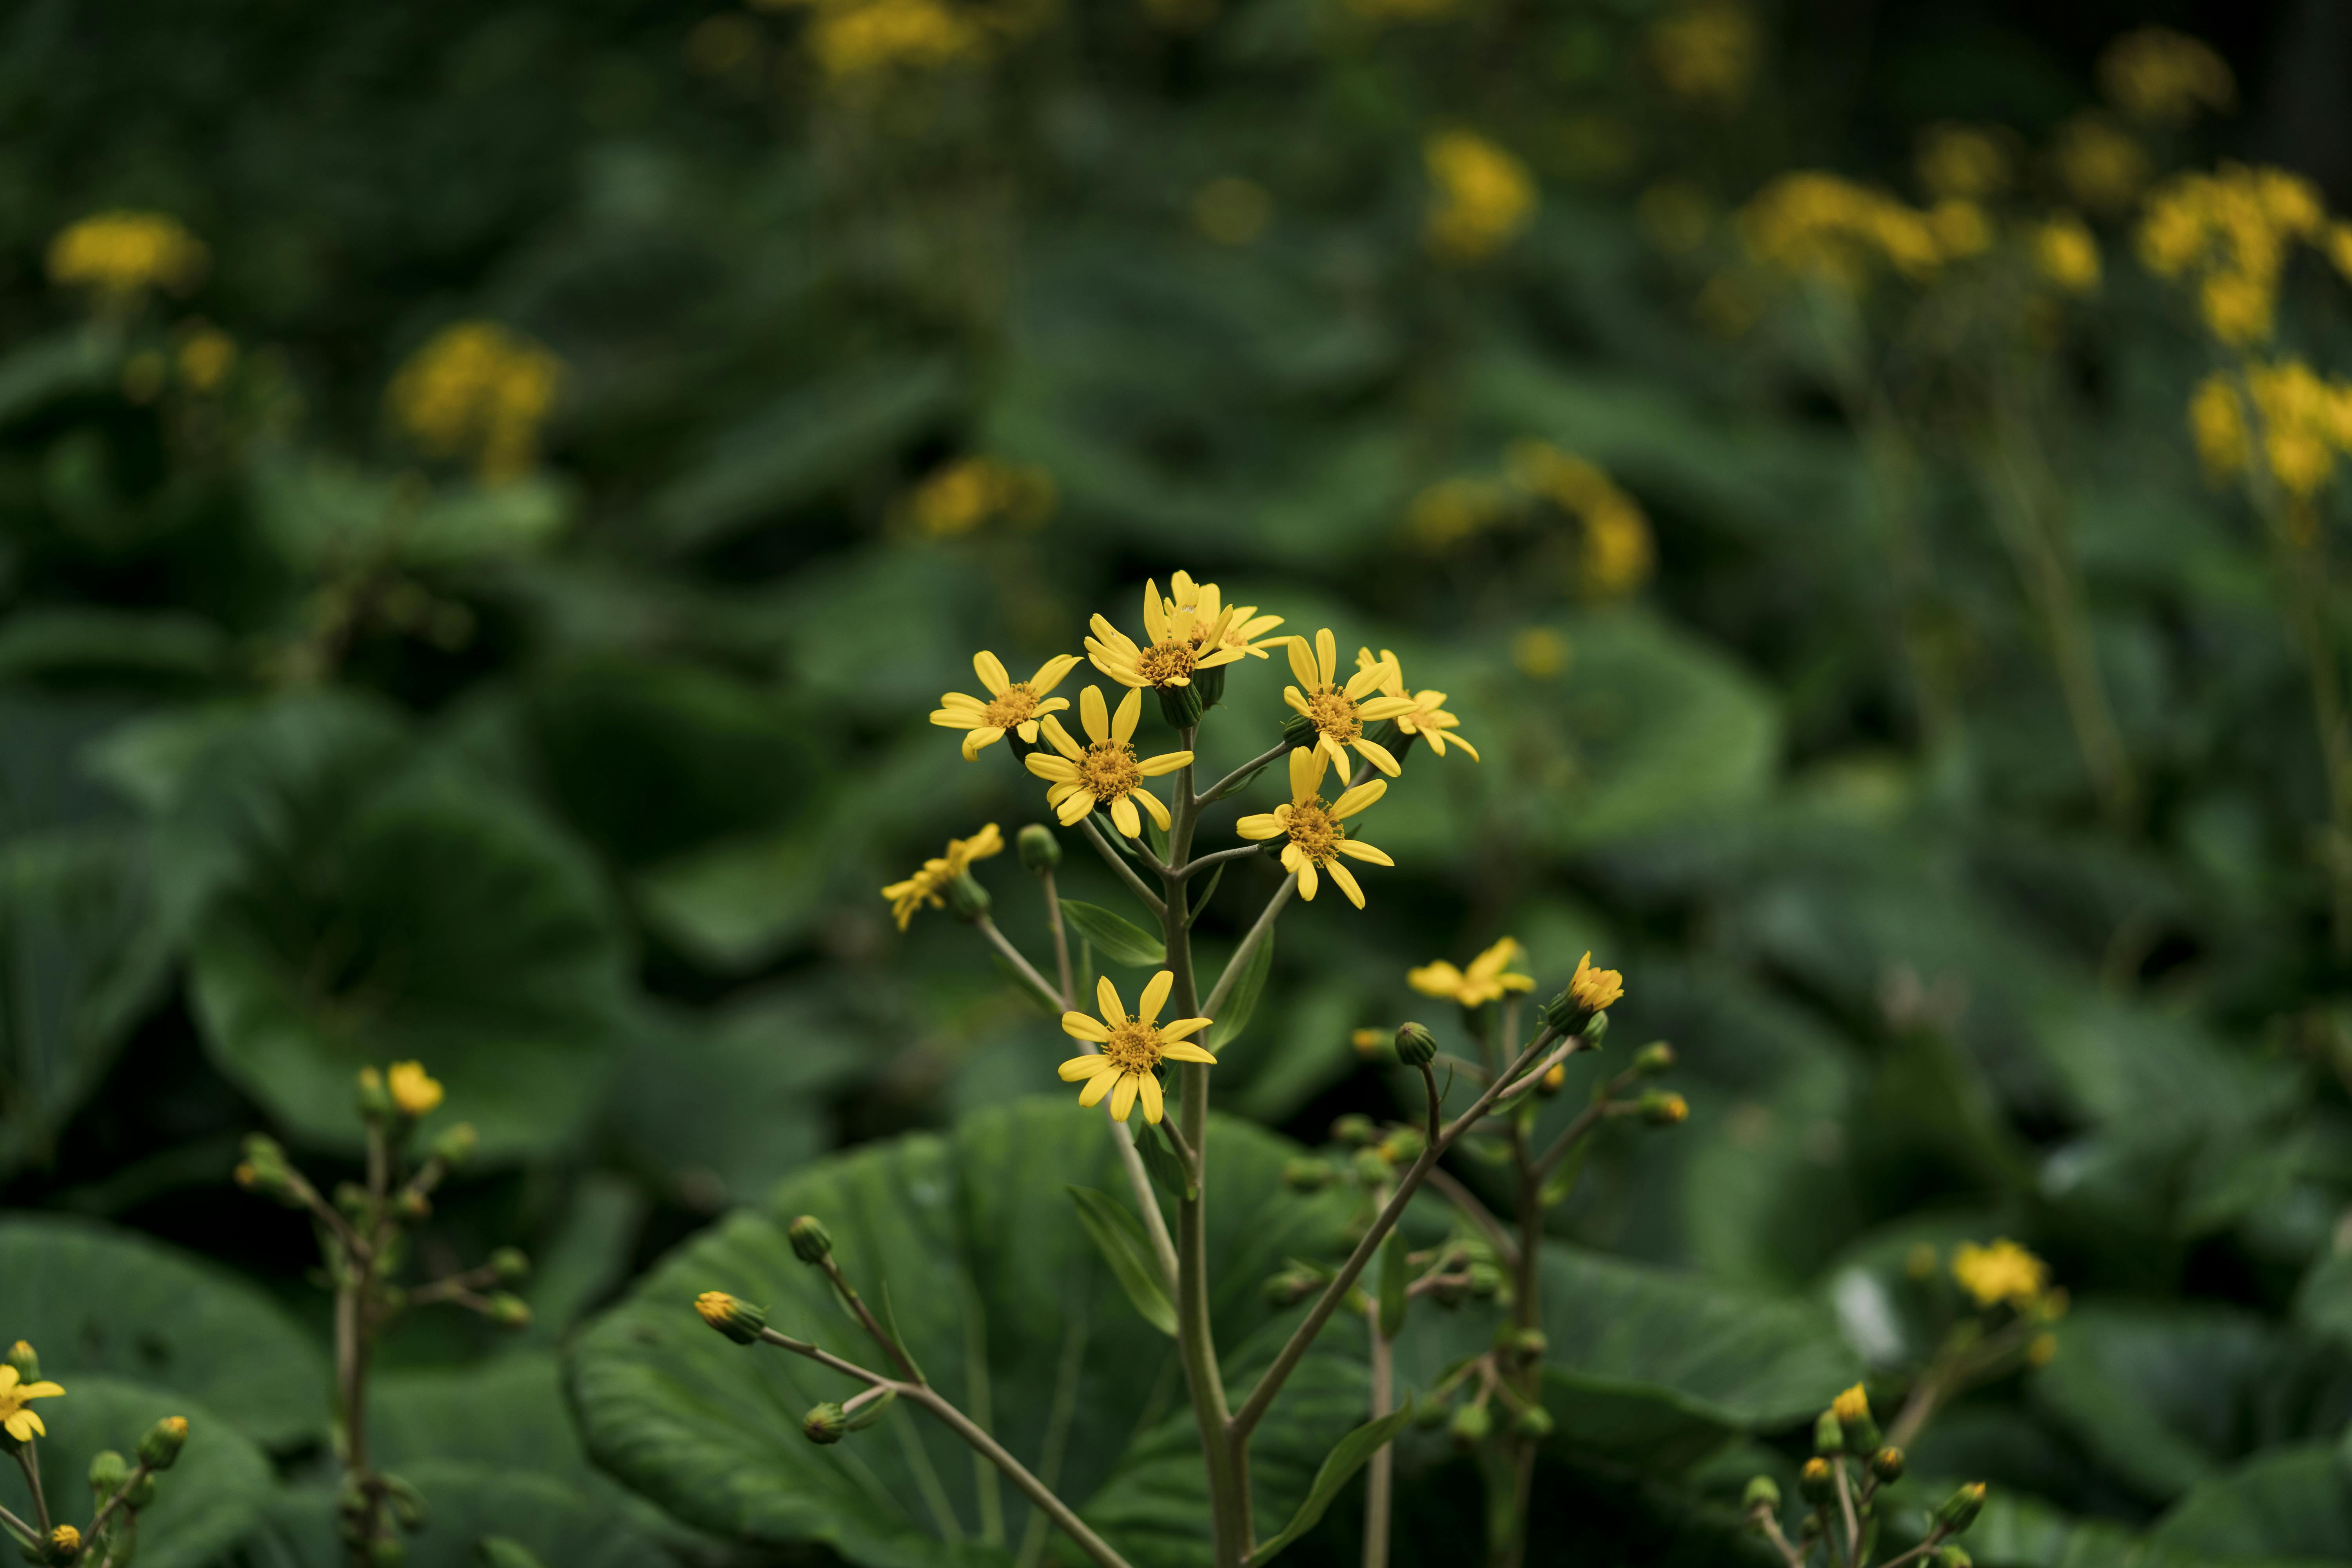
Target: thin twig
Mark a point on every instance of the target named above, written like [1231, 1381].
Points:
[1126, 873]
[1232, 780]
[1240, 959]
[889, 1343]
[1462, 1197]
[1218, 857]
[1845, 1503]
[1061, 937]
[29, 1461]
[1021, 966]
[98, 1523]
[32, 1537]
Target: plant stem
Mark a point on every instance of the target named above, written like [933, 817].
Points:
[1061, 938]
[1232, 780]
[99, 1522]
[1462, 1197]
[1028, 972]
[1126, 873]
[898, 1352]
[1257, 934]
[1380, 1472]
[28, 1460]
[32, 1537]
[1845, 1505]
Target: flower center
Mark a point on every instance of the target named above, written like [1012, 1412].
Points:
[1312, 830]
[1014, 707]
[1109, 771]
[1134, 1046]
[1165, 661]
[1334, 713]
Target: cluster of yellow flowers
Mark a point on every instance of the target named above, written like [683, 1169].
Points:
[122, 254]
[2232, 232]
[2167, 78]
[1814, 225]
[1617, 554]
[1963, 163]
[1483, 197]
[965, 493]
[479, 392]
[2304, 421]
[926, 886]
[853, 39]
[1706, 54]
[2102, 165]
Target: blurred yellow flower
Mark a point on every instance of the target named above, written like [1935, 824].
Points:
[2101, 164]
[1617, 553]
[207, 356]
[2230, 233]
[478, 391]
[1338, 713]
[1244, 630]
[1818, 226]
[1011, 705]
[1485, 196]
[2218, 425]
[413, 1091]
[1962, 163]
[1851, 1406]
[1540, 653]
[19, 1421]
[1961, 229]
[1428, 719]
[1232, 210]
[1107, 772]
[963, 493]
[1489, 977]
[1453, 510]
[1706, 54]
[925, 886]
[853, 40]
[1124, 1068]
[1317, 832]
[123, 254]
[2067, 253]
[2003, 1272]
[2305, 421]
[2167, 78]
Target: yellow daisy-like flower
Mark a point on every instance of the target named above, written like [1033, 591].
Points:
[1179, 633]
[1131, 1048]
[1245, 629]
[1852, 1406]
[1340, 713]
[1488, 979]
[413, 1089]
[17, 1420]
[1595, 990]
[1318, 837]
[924, 886]
[1015, 705]
[1107, 771]
[1428, 718]
[2001, 1272]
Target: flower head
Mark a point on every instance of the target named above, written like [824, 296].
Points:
[1186, 639]
[1011, 705]
[2003, 1272]
[1130, 1048]
[1105, 771]
[1340, 713]
[480, 391]
[2065, 252]
[413, 1091]
[1488, 979]
[1595, 990]
[15, 1418]
[1852, 1406]
[1243, 629]
[926, 884]
[124, 253]
[1483, 197]
[1318, 835]
[1427, 718]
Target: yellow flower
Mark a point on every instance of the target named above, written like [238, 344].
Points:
[2156, 74]
[1316, 833]
[122, 253]
[2219, 426]
[1107, 772]
[1244, 627]
[925, 885]
[851, 40]
[2066, 254]
[1706, 54]
[1851, 1406]
[1178, 634]
[207, 357]
[2001, 1272]
[478, 391]
[411, 1091]
[1812, 225]
[1488, 978]
[1485, 195]
[15, 1419]
[1595, 989]
[2100, 164]
[1232, 210]
[1428, 718]
[1340, 713]
[1965, 162]
[1012, 705]
[960, 495]
[1960, 228]
[1131, 1048]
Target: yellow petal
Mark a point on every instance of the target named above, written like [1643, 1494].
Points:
[1378, 755]
[1165, 763]
[1374, 709]
[1094, 713]
[1147, 1089]
[1293, 856]
[1184, 1051]
[1305, 773]
[1077, 1069]
[1075, 808]
[1440, 979]
[1155, 995]
[1085, 1026]
[1347, 880]
[1050, 673]
[1123, 816]
[1302, 663]
[1117, 640]
[1107, 998]
[1327, 656]
[1291, 695]
[1262, 826]
[1222, 655]
[1152, 804]
[1183, 1028]
[1028, 728]
[1306, 883]
[990, 671]
[1122, 1098]
[1366, 680]
[1060, 792]
[1362, 795]
[1155, 619]
[955, 718]
[973, 740]
[1061, 770]
[1059, 739]
[1096, 1087]
[1357, 849]
[1437, 742]
[1328, 747]
[1122, 723]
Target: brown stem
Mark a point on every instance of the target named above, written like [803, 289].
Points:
[1450, 1188]
[1379, 1473]
[28, 1460]
[889, 1343]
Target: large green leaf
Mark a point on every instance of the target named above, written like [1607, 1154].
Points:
[1001, 1297]
[2288, 1503]
[203, 1504]
[465, 1505]
[354, 902]
[1649, 1366]
[92, 1299]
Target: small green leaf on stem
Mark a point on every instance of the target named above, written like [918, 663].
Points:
[1339, 1467]
[1119, 940]
[1243, 1001]
[1119, 1236]
[1207, 888]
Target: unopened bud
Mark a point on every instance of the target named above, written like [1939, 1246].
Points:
[62, 1545]
[1655, 1058]
[1432, 1414]
[1524, 1347]
[108, 1471]
[966, 898]
[1486, 1280]
[828, 1422]
[407, 1502]
[22, 1356]
[509, 1310]
[1664, 1108]
[811, 1241]
[1596, 1028]
[1179, 705]
[1292, 1286]
[1298, 729]
[412, 1205]
[373, 1098]
[1371, 1167]
[1535, 1421]
[1354, 1128]
[1763, 1494]
[1853, 1410]
[1954, 1556]
[511, 1265]
[737, 1319]
[1307, 1175]
[159, 1448]
[140, 1493]
[455, 1145]
[1829, 1436]
[1471, 1424]
[1554, 1079]
[1040, 850]
[1403, 1145]
[1814, 1482]
[1415, 1046]
[1960, 1510]
[1887, 1464]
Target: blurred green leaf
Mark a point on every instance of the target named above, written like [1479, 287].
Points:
[2290, 1504]
[465, 1505]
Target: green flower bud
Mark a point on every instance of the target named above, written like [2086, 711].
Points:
[1415, 1046]
[737, 1319]
[1403, 1145]
[1960, 1510]
[160, 1449]
[1596, 1028]
[1040, 850]
[27, 1364]
[511, 1265]
[265, 1170]
[1655, 1058]
[62, 1545]
[967, 899]
[1522, 1347]
[1179, 705]
[140, 1493]
[1430, 1415]
[1371, 1167]
[1763, 1495]
[1664, 1108]
[1954, 1556]
[1815, 1484]
[1535, 1421]
[1470, 1426]
[1210, 684]
[509, 1310]
[1307, 1175]
[1829, 1434]
[1292, 1286]
[1486, 1281]
[108, 1471]
[373, 1098]
[1354, 1128]
[828, 1422]
[811, 1241]
[412, 1205]
[454, 1146]
[407, 1502]
[387, 1551]
[1887, 1464]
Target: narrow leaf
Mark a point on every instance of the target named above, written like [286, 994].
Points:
[1394, 1271]
[499, 1551]
[1339, 1467]
[1242, 999]
[1211, 886]
[1119, 1236]
[1166, 1167]
[1117, 940]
